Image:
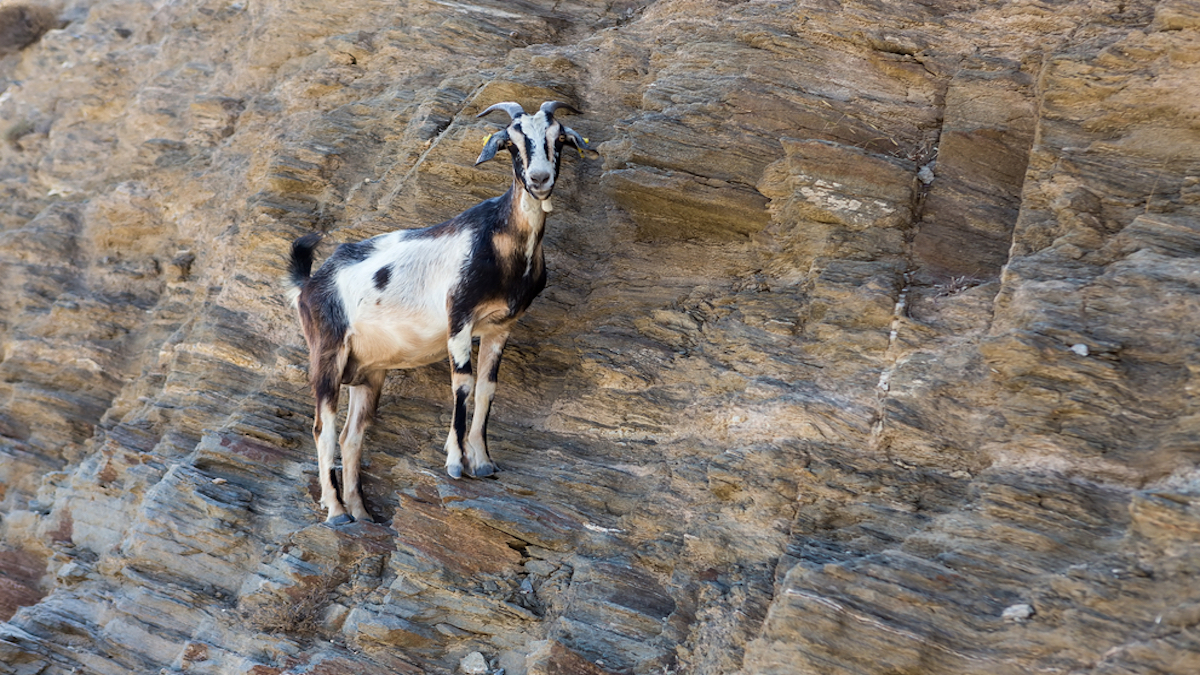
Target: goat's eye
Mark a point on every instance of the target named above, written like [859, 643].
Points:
[562, 138]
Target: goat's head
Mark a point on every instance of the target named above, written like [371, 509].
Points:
[536, 142]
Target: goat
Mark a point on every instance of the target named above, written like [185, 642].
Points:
[410, 297]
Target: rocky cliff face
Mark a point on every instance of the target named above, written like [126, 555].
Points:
[870, 344]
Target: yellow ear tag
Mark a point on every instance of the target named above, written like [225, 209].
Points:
[487, 138]
[585, 142]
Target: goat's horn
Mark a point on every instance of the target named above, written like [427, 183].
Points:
[550, 106]
[513, 109]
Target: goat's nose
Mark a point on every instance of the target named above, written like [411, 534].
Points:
[539, 179]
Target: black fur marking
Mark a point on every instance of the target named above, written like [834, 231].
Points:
[320, 294]
[482, 211]
[483, 431]
[326, 382]
[558, 146]
[382, 276]
[518, 165]
[494, 372]
[321, 299]
[337, 484]
[485, 267]
[529, 147]
[351, 252]
[460, 414]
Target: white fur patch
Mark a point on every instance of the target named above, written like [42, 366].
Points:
[537, 128]
[406, 324]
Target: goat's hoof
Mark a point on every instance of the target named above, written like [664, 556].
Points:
[454, 470]
[483, 470]
[344, 519]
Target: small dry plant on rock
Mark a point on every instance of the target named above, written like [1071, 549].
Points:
[297, 612]
[954, 286]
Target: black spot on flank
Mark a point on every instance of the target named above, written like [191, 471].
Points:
[382, 277]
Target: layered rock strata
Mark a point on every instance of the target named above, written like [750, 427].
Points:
[869, 346]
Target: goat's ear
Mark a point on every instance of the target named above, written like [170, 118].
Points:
[580, 143]
[494, 143]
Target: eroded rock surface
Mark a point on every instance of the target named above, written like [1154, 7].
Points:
[870, 344]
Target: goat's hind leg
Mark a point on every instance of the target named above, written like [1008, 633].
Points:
[326, 368]
[364, 399]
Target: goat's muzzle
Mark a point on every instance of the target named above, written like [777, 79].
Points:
[540, 184]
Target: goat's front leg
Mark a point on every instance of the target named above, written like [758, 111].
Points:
[364, 399]
[461, 381]
[490, 348]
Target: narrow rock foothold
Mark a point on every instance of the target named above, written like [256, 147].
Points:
[473, 664]
[1017, 613]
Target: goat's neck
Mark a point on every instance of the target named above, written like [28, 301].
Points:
[528, 216]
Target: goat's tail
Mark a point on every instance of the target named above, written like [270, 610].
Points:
[300, 263]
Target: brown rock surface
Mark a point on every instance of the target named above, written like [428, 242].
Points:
[870, 344]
